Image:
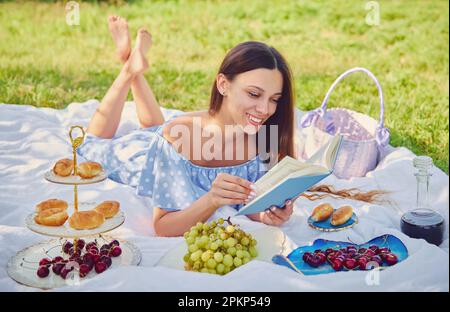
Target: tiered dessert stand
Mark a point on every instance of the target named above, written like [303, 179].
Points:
[23, 266]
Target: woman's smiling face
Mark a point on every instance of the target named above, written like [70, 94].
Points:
[251, 97]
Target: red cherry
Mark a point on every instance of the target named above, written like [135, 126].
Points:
[89, 245]
[306, 255]
[94, 250]
[89, 262]
[116, 251]
[350, 263]
[81, 243]
[45, 261]
[314, 262]
[84, 270]
[57, 267]
[66, 247]
[369, 253]
[100, 267]
[351, 249]
[43, 271]
[76, 259]
[362, 250]
[341, 258]
[391, 259]
[377, 259]
[331, 258]
[65, 272]
[57, 259]
[328, 251]
[337, 265]
[114, 243]
[321, 257]
[96, 258]
[106, 260]
[351, 254]
[374, 248]
[383, 250]
[88, 256]
[362, 263]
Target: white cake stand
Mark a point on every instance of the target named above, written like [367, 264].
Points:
[23, 266]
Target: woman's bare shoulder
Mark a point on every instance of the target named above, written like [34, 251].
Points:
[185, 120]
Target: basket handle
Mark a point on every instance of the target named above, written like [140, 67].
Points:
[382, 134]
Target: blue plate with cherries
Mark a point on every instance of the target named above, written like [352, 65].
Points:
[325, 256]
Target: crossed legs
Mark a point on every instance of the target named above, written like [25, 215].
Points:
[106, 118]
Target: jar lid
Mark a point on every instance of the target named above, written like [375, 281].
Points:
[423, 217]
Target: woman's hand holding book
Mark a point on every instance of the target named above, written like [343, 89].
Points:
[277, 216]
[227, 189]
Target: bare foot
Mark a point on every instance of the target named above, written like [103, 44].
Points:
[137, 63]
[118, 27]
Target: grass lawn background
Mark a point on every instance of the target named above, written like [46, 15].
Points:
[47, 63]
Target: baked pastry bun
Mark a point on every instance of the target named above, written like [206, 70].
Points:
[341, 215]
[50, 204]
[52, 217]
[322, 212]
[89, 169]
[86, 220]
[63, 167]
[108, 208]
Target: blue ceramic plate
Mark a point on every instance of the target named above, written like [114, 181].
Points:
[295, 262]
[326, 226]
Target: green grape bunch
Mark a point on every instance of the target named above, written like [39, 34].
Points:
[218, 247]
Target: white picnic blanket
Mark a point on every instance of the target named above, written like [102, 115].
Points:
[32, 139]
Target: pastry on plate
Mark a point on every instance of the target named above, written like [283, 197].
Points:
[63, 167]
[341, 215]
[50, 204]
[322, 212]
[51, 217]
[108, 208]
[86, 220]
[89, 169]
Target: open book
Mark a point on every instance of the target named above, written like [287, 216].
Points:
[291, 177]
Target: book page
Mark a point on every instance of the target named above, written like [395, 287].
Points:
[277, 179]
[332, 151]
[283, 170]
[326, 155]
[278, 172]
[321, 162]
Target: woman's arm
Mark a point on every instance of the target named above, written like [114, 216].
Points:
[226, 189]
[175, 223]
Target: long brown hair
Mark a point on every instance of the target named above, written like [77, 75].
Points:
[252, 55]
[373, 196]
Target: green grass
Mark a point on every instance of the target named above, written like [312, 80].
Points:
[45, 62]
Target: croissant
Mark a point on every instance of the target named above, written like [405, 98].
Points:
[51, 203]
[63, 167]
[108, 208]
[322, 212]
[86, 220]
[341, 215]
[51, 217]
[89, 169]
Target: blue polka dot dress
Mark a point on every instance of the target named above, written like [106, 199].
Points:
[145, 160]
